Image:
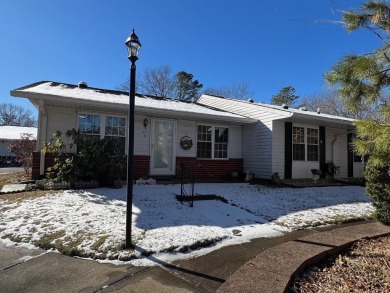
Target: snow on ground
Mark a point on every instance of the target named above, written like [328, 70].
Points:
[91, 223]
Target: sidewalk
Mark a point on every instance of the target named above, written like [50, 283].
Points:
[263, 265]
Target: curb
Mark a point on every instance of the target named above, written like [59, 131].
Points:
[274, 269]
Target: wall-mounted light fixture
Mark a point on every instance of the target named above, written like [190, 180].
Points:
[146, 122]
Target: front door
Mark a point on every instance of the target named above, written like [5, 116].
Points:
[163, 154]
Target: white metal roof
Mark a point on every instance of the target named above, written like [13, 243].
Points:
[291, 112]
[14, 132]
[61, 92]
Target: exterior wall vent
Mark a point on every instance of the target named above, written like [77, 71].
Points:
[250, 100]
[82, 85]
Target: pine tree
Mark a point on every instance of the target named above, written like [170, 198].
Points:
[364, 80]
[285, 96]
[187, 89]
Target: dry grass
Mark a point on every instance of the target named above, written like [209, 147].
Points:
[14, 178]
[365, 267]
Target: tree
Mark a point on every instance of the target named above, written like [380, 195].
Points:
[14, 115]
[187, 89]
[330, 102]
[236, 92]
[161, 82]
[364, 80]
[285, 96]
[23, 148]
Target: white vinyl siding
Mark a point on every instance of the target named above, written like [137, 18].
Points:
[257, 137]
[186, 128]
[340, 151]
[141, 136]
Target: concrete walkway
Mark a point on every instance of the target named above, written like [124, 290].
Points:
[262, 265]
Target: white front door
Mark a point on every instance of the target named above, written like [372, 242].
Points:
[163, 153]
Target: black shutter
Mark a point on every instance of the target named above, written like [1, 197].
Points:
[322, 151]
[287, 150]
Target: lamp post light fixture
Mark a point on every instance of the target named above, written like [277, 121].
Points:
[133, 45]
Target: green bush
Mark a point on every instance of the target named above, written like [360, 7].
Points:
[378, 189]
[93, 160]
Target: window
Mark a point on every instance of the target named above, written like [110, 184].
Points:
[115, 132]
[305, 144]
[95, 127]
[89, 126]
[312, 144]
[298, 143]
[221, 135]
[204, 141]
[212, 142]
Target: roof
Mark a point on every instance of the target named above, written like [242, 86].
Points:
[286, 113]
[14, 132]
[88, 96]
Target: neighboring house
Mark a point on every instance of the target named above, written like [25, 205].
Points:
[9, 134]
[167, 132]
[291, 142]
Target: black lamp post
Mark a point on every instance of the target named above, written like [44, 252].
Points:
[133, 45]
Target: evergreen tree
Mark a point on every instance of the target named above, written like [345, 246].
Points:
[364, 80]
[285, 96]
[186, 87]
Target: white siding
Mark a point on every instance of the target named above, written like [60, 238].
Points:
[340, 151]
[186, 128]
[278, 140]
[141, 136]
[59, 119]
[235, 142]
[257, 138]
[301, 169]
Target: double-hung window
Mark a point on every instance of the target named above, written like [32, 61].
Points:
[305, 143]
[95, 127]
[89, 126]
[212, 142]
[115, 132]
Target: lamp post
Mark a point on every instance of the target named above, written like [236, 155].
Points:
[133, 45]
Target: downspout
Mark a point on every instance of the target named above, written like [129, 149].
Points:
[333, 141]
[41, 137]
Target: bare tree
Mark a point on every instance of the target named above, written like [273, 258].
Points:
[236, 91]
[157, 81]
[14, 115]
[330, 102]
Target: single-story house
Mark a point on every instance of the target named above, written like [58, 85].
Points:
[9, 134]
[292, 142]
[166, 132]
[214, 137]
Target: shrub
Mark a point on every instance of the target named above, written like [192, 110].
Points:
[378, 189]
[94, 160]
[23, 149]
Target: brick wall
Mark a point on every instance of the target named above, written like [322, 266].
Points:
[49, 161]
[205, 169]
[217, 169]
[141, 166]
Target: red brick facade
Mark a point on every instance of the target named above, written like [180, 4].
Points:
[49, 161]
[218, 169]
[205, 169]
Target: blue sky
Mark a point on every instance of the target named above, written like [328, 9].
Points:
[266, 44]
